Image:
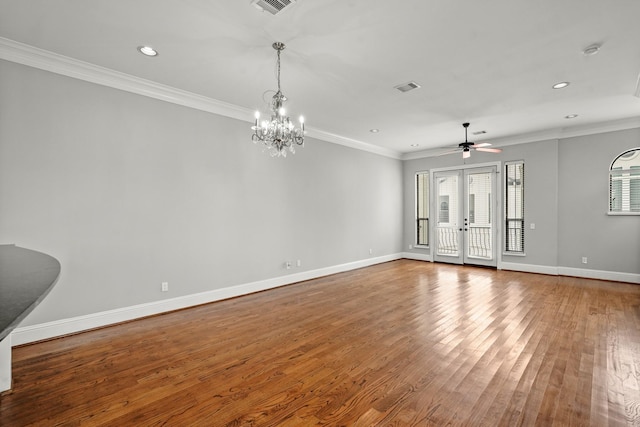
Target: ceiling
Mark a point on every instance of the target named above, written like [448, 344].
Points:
[489, 62]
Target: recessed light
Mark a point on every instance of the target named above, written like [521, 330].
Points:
[374, 130]
[591, 50]
[147, 50]
[571, 116]
[560, 85]
[415, 145]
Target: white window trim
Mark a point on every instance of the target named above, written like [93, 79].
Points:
[415, 209]
[504, 213]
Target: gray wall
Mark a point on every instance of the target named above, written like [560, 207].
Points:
[609, 242]
[128, 192]
[566, 197]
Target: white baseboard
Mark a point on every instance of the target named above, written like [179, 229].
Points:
[575, 272]
[417, 257]
[529, 268]
[27, 334]
[599, 274]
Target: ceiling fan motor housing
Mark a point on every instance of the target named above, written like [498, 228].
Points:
[466, 144]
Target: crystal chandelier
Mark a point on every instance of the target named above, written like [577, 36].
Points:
[278, 134]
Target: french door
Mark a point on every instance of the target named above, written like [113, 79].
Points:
[465, 215]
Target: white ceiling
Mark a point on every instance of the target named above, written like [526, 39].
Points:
[490, 62]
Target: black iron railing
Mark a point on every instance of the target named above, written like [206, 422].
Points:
[423, 231]
[514, 236]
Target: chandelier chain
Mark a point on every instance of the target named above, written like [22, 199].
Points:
[279, 69]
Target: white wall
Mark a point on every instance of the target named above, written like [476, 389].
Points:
[128, 192]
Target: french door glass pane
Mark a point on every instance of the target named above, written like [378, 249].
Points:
[447, 215]
[479, 199]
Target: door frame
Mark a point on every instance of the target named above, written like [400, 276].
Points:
[497, 204]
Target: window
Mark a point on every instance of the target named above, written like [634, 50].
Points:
[444, 209]
[624, 183]
[514, 207]
[422, 209]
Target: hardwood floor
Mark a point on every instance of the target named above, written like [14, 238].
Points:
[401, 343]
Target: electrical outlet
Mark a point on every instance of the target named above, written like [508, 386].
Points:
[298, 263]
[287, 265]
[532, 226]
[370, 251]
[165, 286]
[584, 259]
[410, 246]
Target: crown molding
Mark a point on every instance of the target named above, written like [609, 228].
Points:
[42, 59]
[31, 56]
[352, 143]
[546, 135]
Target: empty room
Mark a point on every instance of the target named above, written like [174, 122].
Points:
[338, 213]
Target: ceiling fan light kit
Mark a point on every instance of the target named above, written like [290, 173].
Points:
[467, 146]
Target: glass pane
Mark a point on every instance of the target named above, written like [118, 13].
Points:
[514, 208]
[634, 189]
[624, 182]
[422, 208]
[479, 235]
[447, 215]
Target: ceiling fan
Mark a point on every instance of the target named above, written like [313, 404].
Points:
[467, 146]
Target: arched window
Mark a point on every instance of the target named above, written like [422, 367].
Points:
[624, 183]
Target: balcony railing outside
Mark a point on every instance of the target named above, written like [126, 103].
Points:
[447, 240]
[514, 237]
[423, 231]
[480, 244]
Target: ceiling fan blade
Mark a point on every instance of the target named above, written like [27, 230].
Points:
[489, 150]
[482, 144]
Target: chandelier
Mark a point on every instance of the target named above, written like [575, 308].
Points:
[278, 134]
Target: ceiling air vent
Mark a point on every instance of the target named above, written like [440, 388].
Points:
[406, 87]
[272, 6]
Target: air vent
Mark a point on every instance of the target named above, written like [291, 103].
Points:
[406, 87]
[480, 132]
[272, 6]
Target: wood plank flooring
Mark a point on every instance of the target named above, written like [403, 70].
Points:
[405, 343]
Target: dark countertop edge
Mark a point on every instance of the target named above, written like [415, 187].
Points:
[7, 331]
